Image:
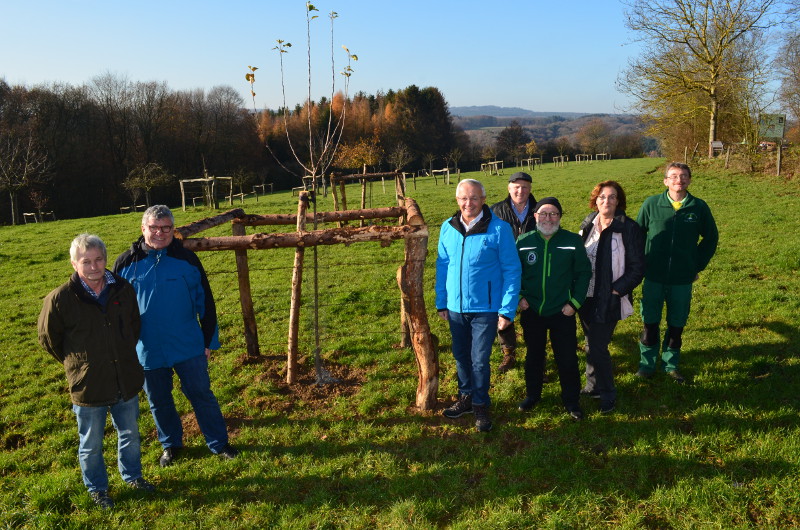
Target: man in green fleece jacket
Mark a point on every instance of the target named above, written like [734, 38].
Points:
[555, 280]
[681, 239]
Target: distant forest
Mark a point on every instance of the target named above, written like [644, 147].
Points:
[92, 149]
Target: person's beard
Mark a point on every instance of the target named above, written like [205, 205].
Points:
[549, 230]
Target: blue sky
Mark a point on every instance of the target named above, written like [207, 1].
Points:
[558, 55]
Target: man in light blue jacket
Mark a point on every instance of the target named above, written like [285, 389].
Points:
[179, 331]
[477, 289]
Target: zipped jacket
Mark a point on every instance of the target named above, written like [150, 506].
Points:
[505, 211]
[679, 243]
[179, 318]
[555, 271]
[477, 271]
[607, 306]
[96, 344]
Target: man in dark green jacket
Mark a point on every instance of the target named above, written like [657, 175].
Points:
[681, 239]
[555, 280]
[91, 324]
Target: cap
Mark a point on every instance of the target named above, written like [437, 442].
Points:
[548, 200]
[519, 175]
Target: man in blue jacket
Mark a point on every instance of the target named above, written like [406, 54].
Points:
[477, 285]
[179, 330]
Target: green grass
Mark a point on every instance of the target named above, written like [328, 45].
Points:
[722, 452]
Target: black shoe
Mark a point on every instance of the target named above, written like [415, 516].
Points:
[228, 452]
[644, 374]
[576, 414]
[677, 377]
[169, 455]
[102, 499]
[141, 484]
[459, 408]
[607, 407]
[527, 404]
[594, 394]
[483, 422]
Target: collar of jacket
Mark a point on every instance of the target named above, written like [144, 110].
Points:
[667, 201]
[615, 226]
[142, 249]
[77, 288]
[479, 228]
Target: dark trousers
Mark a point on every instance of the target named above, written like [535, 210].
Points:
[599, 367]
[564, 342]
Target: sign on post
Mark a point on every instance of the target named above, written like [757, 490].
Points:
[771, 125]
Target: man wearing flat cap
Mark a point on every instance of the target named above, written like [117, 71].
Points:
[516, 210]
[555, 280]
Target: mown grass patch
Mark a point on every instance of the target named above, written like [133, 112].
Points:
[721, 452]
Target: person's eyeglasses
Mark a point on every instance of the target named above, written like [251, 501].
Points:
[553, 215]
[677, 177]
[471, 199]
[606, 197]
[164, 229]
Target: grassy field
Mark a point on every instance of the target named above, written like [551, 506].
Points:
[720, 452]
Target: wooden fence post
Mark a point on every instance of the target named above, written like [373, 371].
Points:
[297, 285]
[245, 296]
[410, 279]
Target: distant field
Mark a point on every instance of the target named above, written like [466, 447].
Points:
[722, 452]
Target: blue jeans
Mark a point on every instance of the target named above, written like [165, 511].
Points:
[91, 425]
[196, 386]
[473, 335]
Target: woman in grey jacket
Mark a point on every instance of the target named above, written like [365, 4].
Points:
[615, 246]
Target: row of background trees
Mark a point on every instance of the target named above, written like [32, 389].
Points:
[89, 150]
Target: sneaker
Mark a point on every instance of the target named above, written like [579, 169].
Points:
[228, 452]
[459, 408]
[527, 404]
[677, 377]
[141, 484]
[594, 394]
[644, 374]
[607, 407]
[169, 456]
[483, 422]
[102, 499]
[576, 414]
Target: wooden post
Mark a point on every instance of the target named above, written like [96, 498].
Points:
[245, 296]
[297, 284]
[183, 197]
[410, 279]
[363, 197]
[778, 161]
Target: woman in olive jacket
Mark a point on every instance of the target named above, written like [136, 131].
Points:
[615, 246]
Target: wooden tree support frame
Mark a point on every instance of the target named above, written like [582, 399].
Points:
[340, 198]
[414, 326]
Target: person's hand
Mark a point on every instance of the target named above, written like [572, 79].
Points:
[568, 310]
[615, 292]
[444, 314]
[503, 323]
[523, 304]
[208, 354]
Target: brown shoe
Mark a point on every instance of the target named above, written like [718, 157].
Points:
[509, 360]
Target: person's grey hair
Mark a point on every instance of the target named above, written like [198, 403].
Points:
[472, 182]
[84, 242]
[157, 211]
[678, 165]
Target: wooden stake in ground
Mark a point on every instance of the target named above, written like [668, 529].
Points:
[297, 285]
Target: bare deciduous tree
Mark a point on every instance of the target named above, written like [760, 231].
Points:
[22, 163]
[689, 55]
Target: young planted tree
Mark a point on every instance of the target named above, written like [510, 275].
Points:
[145, 178]
[320, 147]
